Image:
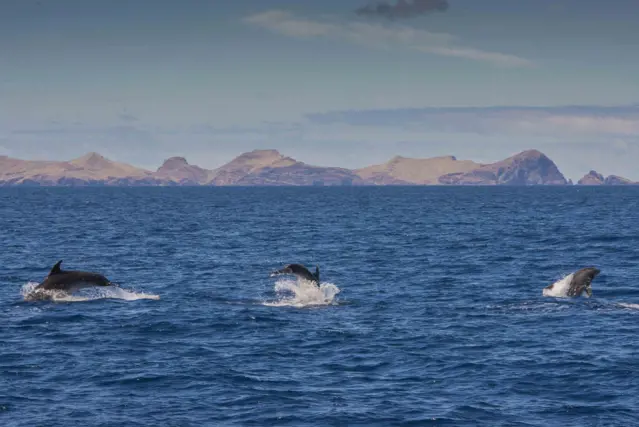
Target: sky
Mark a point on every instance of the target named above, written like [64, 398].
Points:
[329, 82]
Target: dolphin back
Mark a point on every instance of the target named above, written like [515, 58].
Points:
[59, 279]
[300, 271]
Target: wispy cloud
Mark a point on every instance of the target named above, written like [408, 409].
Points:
[403, 9]
[379, 36]
[620, 121]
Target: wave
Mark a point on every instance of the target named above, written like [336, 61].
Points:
[89, 294]
[535, 307]
[560, 290]
[628, 305]
[303, 293]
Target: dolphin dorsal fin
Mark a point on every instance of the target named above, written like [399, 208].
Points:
[56, 269]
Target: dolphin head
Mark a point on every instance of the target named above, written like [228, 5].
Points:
[299, 271]
[591, 273]
[286, 270]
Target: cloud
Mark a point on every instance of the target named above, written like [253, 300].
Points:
[378, 36]
[286, 24]
[618, 121]
[403, 8]
[578, 138]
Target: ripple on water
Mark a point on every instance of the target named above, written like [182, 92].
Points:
[431, 314]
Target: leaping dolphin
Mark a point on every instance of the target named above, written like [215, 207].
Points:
[299, 271]
[574, 284]
[70, 281]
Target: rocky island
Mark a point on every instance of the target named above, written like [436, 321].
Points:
[271, 168]
[595, 178]
[407, 171]
[530, 167]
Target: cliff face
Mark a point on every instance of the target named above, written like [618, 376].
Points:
[179, 171]
[301, 174]
[526, 168]
[406, 171]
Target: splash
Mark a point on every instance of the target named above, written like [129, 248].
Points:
[560, 288]
[628, 305]
[90, 294]
[303, 293]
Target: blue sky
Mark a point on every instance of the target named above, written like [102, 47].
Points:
[143, 80]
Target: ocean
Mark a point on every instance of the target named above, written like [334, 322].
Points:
[430, 310]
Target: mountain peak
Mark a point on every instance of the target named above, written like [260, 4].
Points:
[250, 163]
[92, 160]
[179, 170]
[261, 154]
[261, 158]
[530, 154]
[173, 163]
[407, 170]
[98, 166]
[396, 159]
[592, 178]
[267, 151]
[617, 180]
[91, 156]
[530, 167]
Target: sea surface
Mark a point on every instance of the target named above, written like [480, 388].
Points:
[430, 310]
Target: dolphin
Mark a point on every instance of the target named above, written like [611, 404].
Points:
[299, 271]
[70, 281]
[573, 285]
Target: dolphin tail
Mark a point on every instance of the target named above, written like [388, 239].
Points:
[317, 275]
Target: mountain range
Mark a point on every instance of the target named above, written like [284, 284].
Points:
[271, 168]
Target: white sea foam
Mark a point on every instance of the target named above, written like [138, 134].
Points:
[30, 294]
[628, 305]
[303, 293]
[560, 288]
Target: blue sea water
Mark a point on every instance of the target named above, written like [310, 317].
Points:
[430, 312]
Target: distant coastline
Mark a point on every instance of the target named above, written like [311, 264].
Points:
[271, 168]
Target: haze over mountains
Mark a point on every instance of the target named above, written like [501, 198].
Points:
[271, 168]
